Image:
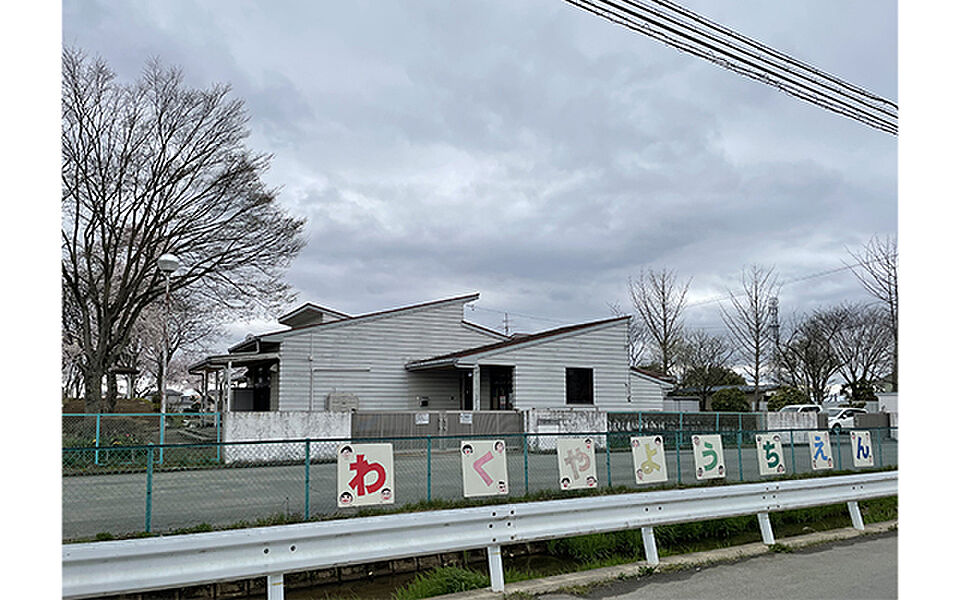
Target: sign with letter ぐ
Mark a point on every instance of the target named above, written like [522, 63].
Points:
[577, 467]
[862, 448]
[708, 456]
[364, 475]
[821, 456]
[484, 465]
[649, 459]
[770, 454]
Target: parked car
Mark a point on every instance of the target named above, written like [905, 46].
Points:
[838, 418]
[802, 408]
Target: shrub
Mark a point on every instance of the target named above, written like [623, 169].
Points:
[786, 396]
[730, 400]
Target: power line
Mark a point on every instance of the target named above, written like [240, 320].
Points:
[722, 46]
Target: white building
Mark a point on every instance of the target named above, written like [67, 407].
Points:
[427, 356]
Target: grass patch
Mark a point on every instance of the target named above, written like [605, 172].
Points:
[442, 580]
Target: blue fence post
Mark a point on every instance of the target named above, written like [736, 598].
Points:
[639, 422]
[609, 475]
[526, 463]
[739, 441]
[306, 480]
[880, 446]
[839, 452]
[793, 453]
[679, 435]
[218, 435]
[429, 467]
[96, 453]
[148, 511]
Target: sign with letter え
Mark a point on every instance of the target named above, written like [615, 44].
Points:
[575, 459]
[484, 465]
[364, 474]
[862, 449]
[649, 460]
[708, 457]
[770, 454]
[821, 456]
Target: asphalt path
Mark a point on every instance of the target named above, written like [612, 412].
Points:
[861, 568]
[117, 503]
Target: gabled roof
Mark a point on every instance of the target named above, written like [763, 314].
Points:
[453, 357]
[659, 377]
[308, 310]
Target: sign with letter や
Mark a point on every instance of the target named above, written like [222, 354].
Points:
[364, 475]
[770, 454]
[484, 465]
[577, 467]
[708, 456]
[649, 460]
[821, 456]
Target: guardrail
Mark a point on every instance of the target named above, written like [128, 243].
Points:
[140, 565]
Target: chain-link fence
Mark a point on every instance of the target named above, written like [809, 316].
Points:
[125, 489]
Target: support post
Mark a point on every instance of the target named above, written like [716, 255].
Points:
[855, 515]
[229, 376]
[96, 453]
[609, 474]
[526, 463]
[766, 530]
[275, 586]
[306, 480]
[163, 425]
[148, 509]
[650, 546]
[429, 468]
[495, 562]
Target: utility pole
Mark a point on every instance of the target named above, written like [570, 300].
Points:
[506, 324]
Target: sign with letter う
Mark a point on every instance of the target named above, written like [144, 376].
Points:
[862, 448]
[770, 454]
[708, 456]
[364, 475]
[577, 467]
[649, 460]
[484, 465]
[821, 456]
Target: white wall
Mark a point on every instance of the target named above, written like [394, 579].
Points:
[645, 395]
[288, 425]
[544, 421]
[792, 420]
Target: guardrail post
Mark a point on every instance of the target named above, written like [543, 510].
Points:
[650, 546]
[96, 453]
[275, 586]
[855, 515]
[766, 530]
[148, 510]
[306, 480]
[496, 568]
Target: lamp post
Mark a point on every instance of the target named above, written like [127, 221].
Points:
[167, 263]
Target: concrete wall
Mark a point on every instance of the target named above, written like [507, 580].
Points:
[289, 425]
[544, 421]
[790, 420]
[887, 402]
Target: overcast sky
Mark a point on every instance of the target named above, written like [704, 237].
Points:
[533, 152]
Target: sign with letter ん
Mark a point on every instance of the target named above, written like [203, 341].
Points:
[575, 460]
[708, 457]
[862, 449]
[649, 460]
[484, 465]
[364, 474]
[821, 456]
[770, 454]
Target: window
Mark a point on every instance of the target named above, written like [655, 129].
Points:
[579, 386]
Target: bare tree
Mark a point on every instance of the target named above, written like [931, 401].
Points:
[704, 360]
[635, 342]
[863, 345]
[808, 358]
[154, 167]
[876, 268]
[748, 320]
[659, 301]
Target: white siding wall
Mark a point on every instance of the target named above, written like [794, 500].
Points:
[539, 378]
[368, 358]
[645, 394]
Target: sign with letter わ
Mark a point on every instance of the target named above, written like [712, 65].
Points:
[364, 475]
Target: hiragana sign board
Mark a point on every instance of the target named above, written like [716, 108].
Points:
[484, 469]
[649, 459]
[708, 456]
[575, 459]
[821, 456]
[862, 448]
[770, 454]
[364, 474]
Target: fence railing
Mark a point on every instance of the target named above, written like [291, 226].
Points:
[121, 490]
[140, 565]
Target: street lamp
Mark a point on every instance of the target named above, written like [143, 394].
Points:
[167, 263]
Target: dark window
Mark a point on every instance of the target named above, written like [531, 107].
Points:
[579, 386]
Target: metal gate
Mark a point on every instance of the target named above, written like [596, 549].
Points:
[434, 423]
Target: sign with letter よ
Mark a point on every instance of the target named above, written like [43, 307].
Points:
[821, 456]
[577, 467]
[484, 465]
[708, 457]
[649, 460]
[364, 475]
[862, 449]
[770, 454]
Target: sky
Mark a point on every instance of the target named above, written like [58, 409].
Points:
[533, 152]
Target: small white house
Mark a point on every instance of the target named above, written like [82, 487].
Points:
[428, 357]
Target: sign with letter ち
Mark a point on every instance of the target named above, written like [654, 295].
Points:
[575, 459]
[649, 460]
[770, 454]
[364, 475]
[484, 465]
[708, 456]
[821, 456]
[862, 448]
